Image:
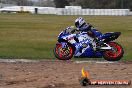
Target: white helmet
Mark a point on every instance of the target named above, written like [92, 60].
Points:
[79, 22]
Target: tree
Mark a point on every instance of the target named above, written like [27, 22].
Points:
[18, 2]
[45, 3]
[61, 3]
[94, 4]
[21, 2]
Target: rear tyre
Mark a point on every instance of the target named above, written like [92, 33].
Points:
[63, 54]
[115, 54]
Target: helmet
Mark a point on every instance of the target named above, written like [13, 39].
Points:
[80, 22]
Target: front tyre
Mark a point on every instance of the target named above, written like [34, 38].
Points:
[115, 54]
[63, 54]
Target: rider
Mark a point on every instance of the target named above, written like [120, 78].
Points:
[82, 26]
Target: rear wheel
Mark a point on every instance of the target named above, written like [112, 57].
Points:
[115, 54]
[63, 53]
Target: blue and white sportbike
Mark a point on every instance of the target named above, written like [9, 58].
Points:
[81, 45]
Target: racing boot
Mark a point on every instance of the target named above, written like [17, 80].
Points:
[99, 43]
[96, 44]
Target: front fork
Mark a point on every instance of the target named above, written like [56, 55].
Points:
[64, 44]
[65, 48]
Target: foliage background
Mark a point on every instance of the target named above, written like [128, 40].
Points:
[98, 4]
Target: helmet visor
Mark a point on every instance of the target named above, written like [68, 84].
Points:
[77, 24]
[82, 25]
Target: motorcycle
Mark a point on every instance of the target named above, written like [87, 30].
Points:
[69, 43]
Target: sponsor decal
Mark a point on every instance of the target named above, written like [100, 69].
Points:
[85, 81]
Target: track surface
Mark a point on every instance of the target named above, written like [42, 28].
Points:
[59, 74]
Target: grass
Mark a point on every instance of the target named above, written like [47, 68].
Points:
[31, 36]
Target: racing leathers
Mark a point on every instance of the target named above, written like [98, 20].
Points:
[89, 30]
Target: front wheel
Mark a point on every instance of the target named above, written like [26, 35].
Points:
[115, 54]
[63, 53]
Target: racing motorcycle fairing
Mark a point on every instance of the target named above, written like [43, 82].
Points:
[110, 36]
[82, 39]
[88, 52]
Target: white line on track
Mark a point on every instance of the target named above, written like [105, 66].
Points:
[27, 60]
[17, 60]
[100, 62]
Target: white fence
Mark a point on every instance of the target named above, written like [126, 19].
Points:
[64, 11]
[114, 12]
[130, 13]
